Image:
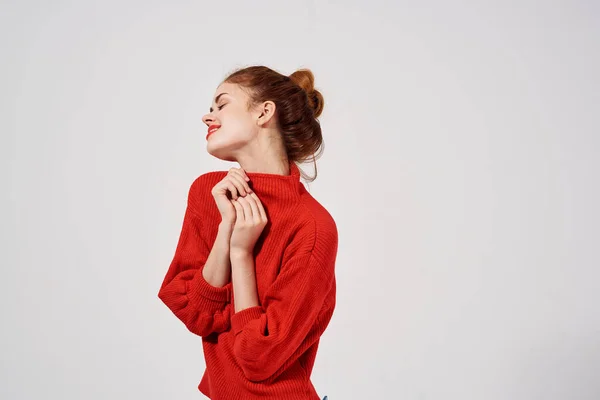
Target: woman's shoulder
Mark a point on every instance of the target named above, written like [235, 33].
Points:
[201, 186]
[318, 224]
[317, 215]
[207, 180]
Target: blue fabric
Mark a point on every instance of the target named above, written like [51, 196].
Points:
[325, 398]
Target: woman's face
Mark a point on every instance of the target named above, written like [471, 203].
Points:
[236, 125]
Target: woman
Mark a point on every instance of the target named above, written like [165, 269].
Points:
[253, 271]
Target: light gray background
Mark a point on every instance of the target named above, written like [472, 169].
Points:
[461, 166]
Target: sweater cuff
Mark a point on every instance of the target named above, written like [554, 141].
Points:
[199, 289]
[241, 318]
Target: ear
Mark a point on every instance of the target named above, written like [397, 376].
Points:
[266, 113]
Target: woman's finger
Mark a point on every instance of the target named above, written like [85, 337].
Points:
[240, 183]
[239, 211]
[235, 182]
[245, 203]
[241, 172]
[235, 191]
[261, 209]
[254, 204]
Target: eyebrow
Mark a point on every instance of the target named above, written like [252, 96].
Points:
[217, 99]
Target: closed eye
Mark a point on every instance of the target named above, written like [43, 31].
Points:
[221, 106]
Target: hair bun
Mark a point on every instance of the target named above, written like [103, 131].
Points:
[306, 80]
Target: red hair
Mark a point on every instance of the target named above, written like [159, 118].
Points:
[297, 106]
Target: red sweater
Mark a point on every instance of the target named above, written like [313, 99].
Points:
[268, 351]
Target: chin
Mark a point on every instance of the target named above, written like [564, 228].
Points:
[226, 150]
[220, 153]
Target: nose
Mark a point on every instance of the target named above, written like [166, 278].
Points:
[207, 119]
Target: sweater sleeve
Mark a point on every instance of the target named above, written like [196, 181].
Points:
[203, 308]
[292, 317]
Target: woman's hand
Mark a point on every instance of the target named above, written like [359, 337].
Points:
[250, 221]
[236, 183]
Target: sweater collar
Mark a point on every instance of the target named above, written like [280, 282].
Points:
[276, 188]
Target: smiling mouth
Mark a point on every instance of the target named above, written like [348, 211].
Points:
[212, 131]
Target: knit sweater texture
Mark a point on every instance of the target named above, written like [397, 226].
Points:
[267, 351]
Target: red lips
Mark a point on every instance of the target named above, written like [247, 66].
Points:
[212, 129]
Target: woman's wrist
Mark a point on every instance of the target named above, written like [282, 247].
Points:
[226, 228]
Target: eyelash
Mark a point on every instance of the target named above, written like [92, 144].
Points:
[221, 106]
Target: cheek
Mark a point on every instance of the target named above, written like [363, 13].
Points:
[240, 123]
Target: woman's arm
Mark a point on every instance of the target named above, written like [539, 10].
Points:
[217, 270]
[293, 314]
[203, 305]
[244, 280]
